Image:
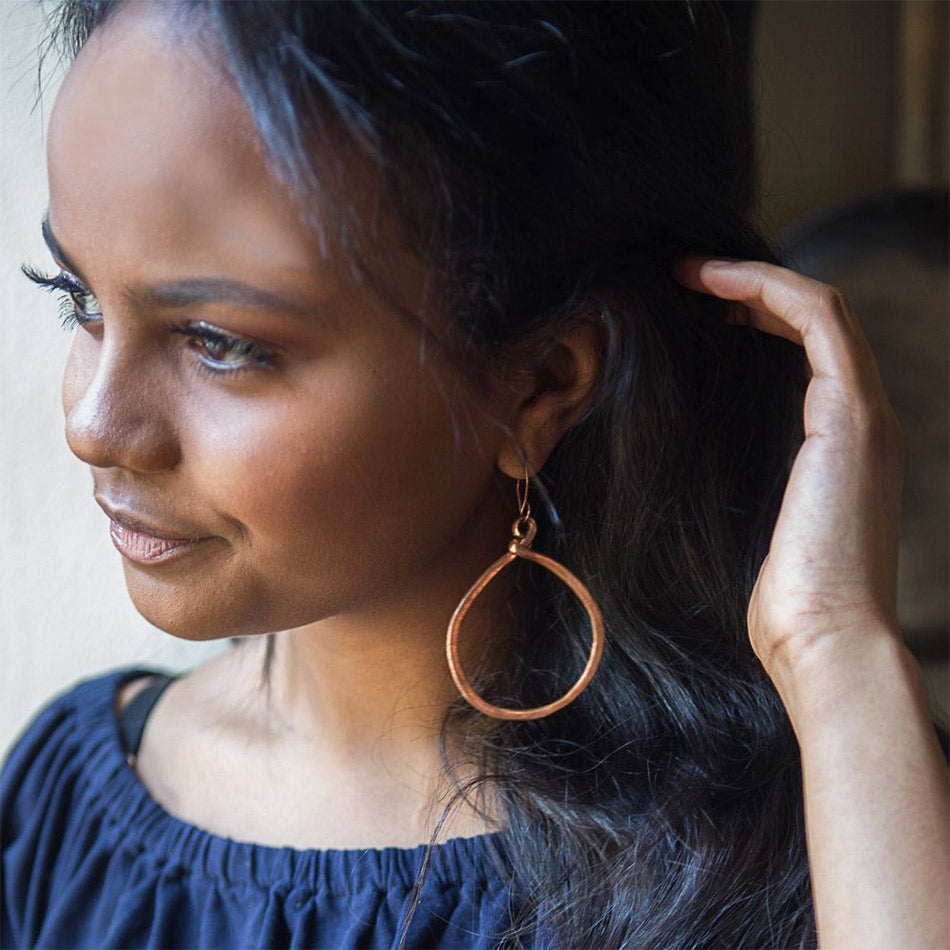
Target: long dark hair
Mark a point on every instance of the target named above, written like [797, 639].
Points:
[550, 161]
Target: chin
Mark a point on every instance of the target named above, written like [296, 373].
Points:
[182, 623]
[188, 611]
[199, 611]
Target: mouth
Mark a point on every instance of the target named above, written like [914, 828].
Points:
[146, 542]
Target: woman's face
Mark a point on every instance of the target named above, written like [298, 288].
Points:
[266, 423]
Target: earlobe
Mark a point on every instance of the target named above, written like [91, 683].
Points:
[565, 384]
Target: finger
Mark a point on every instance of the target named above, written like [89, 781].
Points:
[688, 271]
[793, 306]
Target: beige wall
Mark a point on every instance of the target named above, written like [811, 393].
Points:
[64, 613]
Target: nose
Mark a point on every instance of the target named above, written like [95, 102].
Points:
[118, 413]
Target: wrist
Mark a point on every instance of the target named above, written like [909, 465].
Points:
[848, 666]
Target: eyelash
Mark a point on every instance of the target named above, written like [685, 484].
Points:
[199, 334]
[71, 313]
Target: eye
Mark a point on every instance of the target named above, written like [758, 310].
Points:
[77, 306]
[86, 305]
[221, 352]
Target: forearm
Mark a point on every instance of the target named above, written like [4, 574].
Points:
[876, 795]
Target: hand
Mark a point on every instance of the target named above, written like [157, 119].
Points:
[831, 570]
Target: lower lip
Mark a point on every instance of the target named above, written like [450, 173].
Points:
[146, 548]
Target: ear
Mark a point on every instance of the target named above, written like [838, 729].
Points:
[552, 397]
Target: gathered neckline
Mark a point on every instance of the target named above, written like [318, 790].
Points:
[141, 822]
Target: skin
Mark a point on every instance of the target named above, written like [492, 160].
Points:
[341, 511]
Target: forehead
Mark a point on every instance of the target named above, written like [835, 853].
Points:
[140, 107]
[154, 159]
[148, 141]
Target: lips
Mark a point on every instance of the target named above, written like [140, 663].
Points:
[147, 548]
[145, 541]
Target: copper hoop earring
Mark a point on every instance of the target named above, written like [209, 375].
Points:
[523, 531]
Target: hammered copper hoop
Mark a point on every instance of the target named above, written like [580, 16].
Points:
[523, 531]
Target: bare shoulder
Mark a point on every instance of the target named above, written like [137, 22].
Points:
[199, 681]
[209, 698]
[197, 755]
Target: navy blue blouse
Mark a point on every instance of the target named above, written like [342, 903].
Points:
[90, 859]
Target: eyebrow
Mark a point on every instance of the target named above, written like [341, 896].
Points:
[192, 292]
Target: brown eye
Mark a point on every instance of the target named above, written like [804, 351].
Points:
[222, 352]
[85, 304]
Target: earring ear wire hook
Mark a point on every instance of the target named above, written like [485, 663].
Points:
[524, 507]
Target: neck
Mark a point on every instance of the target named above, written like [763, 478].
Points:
[374, 683]
[353, 681]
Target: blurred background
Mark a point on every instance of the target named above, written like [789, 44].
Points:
[849, 102]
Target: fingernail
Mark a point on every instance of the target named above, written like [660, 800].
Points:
[718, 263]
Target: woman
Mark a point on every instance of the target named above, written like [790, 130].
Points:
[356, 287]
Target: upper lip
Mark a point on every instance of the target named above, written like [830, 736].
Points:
[135, 521]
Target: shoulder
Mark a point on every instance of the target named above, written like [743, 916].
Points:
[57, 783]
[54, 743]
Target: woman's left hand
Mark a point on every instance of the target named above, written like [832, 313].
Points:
[831, 570]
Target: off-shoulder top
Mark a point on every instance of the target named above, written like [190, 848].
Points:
[90, 859]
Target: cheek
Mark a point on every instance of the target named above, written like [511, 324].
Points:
[343, 474]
